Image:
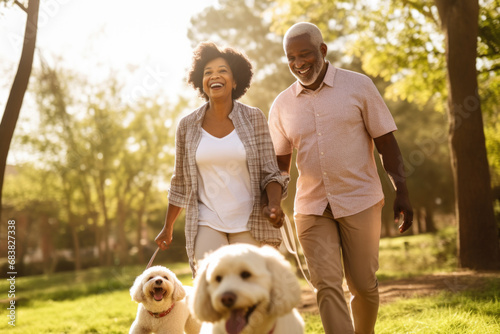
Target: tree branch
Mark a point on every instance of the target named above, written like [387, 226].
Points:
[419, 8]
[21, 5]
[493, 68]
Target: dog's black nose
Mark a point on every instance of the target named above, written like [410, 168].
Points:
[228, 299]
[158, 281]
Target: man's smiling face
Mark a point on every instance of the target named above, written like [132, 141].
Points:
[304, 59]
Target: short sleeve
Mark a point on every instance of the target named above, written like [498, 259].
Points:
[282, 145]
[376, 115]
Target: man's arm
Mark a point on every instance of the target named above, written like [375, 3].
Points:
[284, 163]
[392, 161]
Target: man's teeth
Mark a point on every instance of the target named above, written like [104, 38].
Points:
[216, 85]
[303, 71]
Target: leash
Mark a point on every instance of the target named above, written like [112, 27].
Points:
[153, 257]
[289, 241]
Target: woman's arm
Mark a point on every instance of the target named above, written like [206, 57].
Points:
[164, 238]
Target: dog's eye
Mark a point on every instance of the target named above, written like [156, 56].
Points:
[165, 277]
[218, 278]
[245, 274]
[149, 279]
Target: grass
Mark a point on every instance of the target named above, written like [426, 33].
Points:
[97, 300]
[416, 255]
[468, 312]
[92, 301]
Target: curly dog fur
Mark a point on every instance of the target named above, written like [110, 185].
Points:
[243, 289]
[162, 304]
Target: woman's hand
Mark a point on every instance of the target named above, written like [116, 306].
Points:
[274, 215]
[164, 238]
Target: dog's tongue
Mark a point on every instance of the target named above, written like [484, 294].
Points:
[158, 294]
[236, 322]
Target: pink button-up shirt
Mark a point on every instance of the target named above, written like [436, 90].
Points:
[332, 129]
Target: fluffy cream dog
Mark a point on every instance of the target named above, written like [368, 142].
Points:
[162, 304]
[243, 289]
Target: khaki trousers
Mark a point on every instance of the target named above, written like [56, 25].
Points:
[334, 247]
[208, 240]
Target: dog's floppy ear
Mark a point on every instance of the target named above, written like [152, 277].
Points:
[285, 289]
[200, 303]
[136, 290]
[179, 292]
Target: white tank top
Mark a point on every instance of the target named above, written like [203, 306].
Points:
[224, 191]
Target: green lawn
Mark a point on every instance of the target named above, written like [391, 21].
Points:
[469, 312]
[97, 300]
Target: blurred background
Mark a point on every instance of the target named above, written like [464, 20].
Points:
[91, 158]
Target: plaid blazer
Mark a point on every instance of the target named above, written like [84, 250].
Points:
[251, 126]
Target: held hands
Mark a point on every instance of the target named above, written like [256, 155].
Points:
[164, 239]
[274, 215]
[403, 208]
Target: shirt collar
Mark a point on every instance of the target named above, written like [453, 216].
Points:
[200, 112]
[327, 80]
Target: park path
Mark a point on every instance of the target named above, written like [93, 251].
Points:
[420, 286]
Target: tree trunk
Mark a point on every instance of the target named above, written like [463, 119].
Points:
[73, 224]
[46, 243]
[430, 227]
[419, 219]
[477, 231]
[122, 209]
[122, 249]
[140, 221]
[18, 89]
[100, 185]
[23, 233]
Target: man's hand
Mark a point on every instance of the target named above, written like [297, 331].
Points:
[402, 207]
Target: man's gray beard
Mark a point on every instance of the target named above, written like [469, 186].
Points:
[316, 71]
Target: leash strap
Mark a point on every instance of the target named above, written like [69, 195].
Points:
[287, 232]
[152, 258]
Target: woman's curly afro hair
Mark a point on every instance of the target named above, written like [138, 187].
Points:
[238, 62]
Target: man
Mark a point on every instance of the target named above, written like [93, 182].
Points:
[333, 118]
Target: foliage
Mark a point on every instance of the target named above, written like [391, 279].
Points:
[102, 162]
[492, 133]
[417, 255]
[6, 2]
[400, 41]
[44, 189]
[423, 139]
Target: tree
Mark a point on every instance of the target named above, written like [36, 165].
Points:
[32, 196]
[19, 86]
[403, 42]
[107, 156]
[478, 234]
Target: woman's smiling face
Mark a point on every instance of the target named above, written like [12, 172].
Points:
[218, 80]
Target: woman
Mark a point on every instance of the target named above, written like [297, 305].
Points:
[225, 162]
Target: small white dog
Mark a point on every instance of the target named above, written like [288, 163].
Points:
[244, 289]
[162, 302]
